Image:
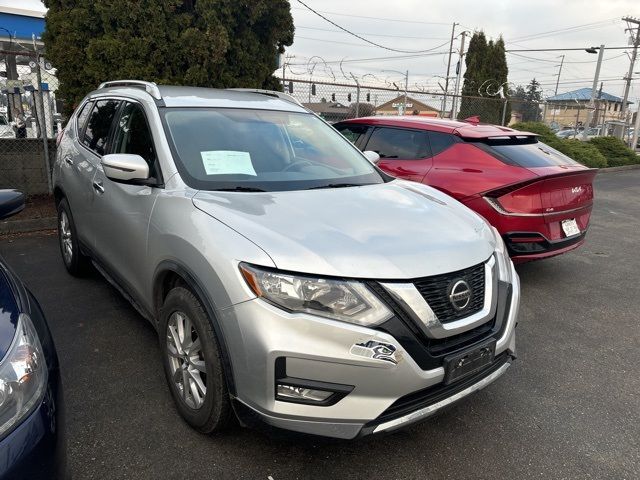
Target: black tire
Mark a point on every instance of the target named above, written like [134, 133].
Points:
[76, 263]
[215, 413]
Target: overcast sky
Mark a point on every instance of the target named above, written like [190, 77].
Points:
[414, 25]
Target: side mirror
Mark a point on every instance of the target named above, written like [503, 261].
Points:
[373, 157]
[125, 168]
[11, 202]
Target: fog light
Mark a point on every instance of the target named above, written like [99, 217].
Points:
[289, 392]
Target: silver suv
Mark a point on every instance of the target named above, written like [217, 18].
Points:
[292, 282]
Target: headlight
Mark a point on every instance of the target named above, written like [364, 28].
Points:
[502, 256]
[348, 301]
[23, 376]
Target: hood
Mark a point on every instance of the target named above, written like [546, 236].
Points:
[396, 230]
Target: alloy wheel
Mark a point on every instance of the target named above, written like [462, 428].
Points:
[66, 238]
[186, 360]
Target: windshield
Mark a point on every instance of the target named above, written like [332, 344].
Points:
[262, 150]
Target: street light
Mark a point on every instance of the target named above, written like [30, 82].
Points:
[406, 87]
[600, 51]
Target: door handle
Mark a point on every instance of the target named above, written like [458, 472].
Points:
[68, 160]
[98, 187]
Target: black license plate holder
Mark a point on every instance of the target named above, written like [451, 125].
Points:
[462, 365]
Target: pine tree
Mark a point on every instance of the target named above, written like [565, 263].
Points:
[527, 101]
[211, 43]
[474, 75]
[486, 77]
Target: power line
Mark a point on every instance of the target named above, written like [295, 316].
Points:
[585, 26]
[334, 41]
[364, 60]
[558, 49]
[371, 34]
[364, 39]
[377, 18]
[556, 61]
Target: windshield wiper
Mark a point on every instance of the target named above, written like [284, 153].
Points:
[339, 185]
[239, 189]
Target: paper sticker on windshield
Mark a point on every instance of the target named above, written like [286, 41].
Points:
[227, 162]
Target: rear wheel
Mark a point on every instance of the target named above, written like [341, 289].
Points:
[192, 362]
[76, 263]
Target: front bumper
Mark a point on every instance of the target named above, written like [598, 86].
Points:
[34, 450]
[257, 334]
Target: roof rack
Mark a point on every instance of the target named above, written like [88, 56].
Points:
[272, 93]
[150, 87]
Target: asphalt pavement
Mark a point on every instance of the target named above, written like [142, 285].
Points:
[568, 408]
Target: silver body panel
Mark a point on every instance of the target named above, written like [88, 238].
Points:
[392, 233]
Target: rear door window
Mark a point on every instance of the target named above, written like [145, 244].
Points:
[353, 132]
[99, 124]
[525, 153]
[399, 143]
[440, 142]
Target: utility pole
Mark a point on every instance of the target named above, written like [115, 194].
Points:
[406, 87]
[636, 43]
[446, 80]
[594, 89]
[454, 105]
[559, 73]
[553, 118]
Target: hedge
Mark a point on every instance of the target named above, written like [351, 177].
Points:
[615, 151]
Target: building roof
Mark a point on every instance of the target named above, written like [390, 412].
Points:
[584, 94]
[412, 104]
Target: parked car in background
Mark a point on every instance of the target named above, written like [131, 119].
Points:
[539, 199]
[569, 133]
[6, 129]
[32, 442]
[291, 281]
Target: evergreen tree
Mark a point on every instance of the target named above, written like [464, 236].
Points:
[210, 43]
[527, 100]
[486, 77]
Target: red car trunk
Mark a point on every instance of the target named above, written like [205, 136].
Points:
[539, 199]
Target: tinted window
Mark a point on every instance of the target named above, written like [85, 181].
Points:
[223, 148]
[133, 135]
[352, 132]
[440, 142]
[398, 143]
[83, 115]
[99, 124]
[527, 153]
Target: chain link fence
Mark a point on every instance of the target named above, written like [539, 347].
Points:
[29, 121]
[339, 101]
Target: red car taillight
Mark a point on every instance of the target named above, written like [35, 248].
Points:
[522, 198]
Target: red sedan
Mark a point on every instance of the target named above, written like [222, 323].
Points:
[539, 199]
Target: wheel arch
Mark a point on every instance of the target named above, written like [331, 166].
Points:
[170, 274]
[58, 194]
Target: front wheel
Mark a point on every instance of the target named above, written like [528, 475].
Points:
[192, 362]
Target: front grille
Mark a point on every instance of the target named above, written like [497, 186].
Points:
[436, 289]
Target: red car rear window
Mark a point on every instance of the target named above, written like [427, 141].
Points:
[528, 153]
